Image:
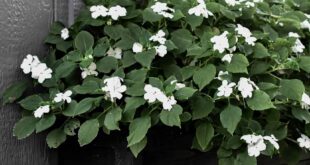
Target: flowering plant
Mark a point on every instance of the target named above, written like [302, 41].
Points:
[235, 71]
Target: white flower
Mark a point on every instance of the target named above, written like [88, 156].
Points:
[168, 103]
[41, 72]
[221, 75]
[163, 9]
[227, 58]
[220, 42]
[294, 35]
[41, 110]
[305, 25]
[255, 144]
[304, 142]
[245, 86]
[232, 2]
[307, 15]
[90, 70]
[249, 4]
[225, 89]
[161, 50]
[64, 33]
[137, 47]
[116, 53]
[298, 47]
[273, 140]
[66, 97]
[117, 11]
[152, 93]
[29, 62]
[177, 85]
[246, 33]
[305, 101]
[159, 37]
[200, 10]
[98, 10]
[114, 88]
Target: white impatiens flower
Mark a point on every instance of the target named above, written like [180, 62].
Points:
[159, 37]
[256, 143]
[117, 11]
[305, 101]
[137, 47]
[29, 62]
[38, 113]
[161, 50]
[294, 35]
[177, 85]
[98, 10]
[90, 70]
[249, 4]
[221, 75]
[246, 33]
[114, 88]
[220, 42]
[304, 142]
[41, 72]
[200, 10]
[152, 93]
[66, 97]
[226, 89]
[168, 103]
[305, 25]
[116, 53]
[64, 33]
[227, 58]
[232, 2]
[298, 47]
[246, 87]
[163, 9]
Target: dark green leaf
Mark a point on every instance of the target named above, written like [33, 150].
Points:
[88, 131]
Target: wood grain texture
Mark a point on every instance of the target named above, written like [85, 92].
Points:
[24, 24]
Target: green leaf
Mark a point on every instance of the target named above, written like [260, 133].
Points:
[184, 93]
[260, 101]
[46, 122]
[230, 118]
[138, 147]
[101, 49]
[55, 138]
[114, 31]
[88, 87]
[83, 106]
[183, 39]
[107, 64]
[137, 89]
[15, 91]
[25, 127]
[150, 16]
[138, 129]
[145, 58]
[194, 21]
[204, 134]
[70, 126]
[84, 41]
[304, 63]
[65, 69]
[172, 117]
[244, 159]
[112, 118]
[203, 76]
[292, 89]
[238, 64]
[128, 59]
[31, 102]
[88, 131]
[137, 75]
[260, 51]
[301, 115]
[201, 106]
[228, 14]
[132, 103]
[56, 28]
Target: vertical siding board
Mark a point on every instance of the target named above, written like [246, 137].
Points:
[24, 25]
